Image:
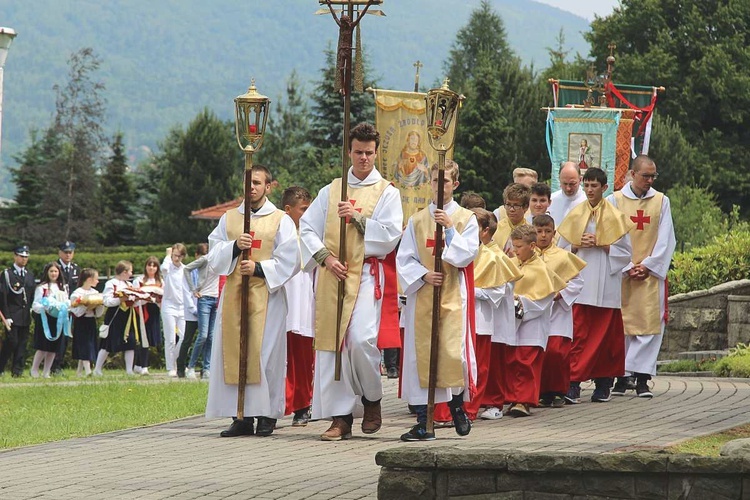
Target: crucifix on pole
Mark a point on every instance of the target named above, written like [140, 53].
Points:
[417, 65]
[348, 18]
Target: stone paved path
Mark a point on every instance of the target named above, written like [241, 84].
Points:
[186, 459]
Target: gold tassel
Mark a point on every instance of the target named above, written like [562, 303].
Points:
[359, 74]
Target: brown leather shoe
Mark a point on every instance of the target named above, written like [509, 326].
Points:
[338, 431]
[371, 420]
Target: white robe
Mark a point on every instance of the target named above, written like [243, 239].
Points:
[299, 294]
[360, 356]
[642, 351]
[459, 252]
[602, 276]
[487, 302]
[561, 204]
[561, 319]
[266, 398]
[504, 317]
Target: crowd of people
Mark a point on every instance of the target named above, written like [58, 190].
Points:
[545, 292]
[164, 306]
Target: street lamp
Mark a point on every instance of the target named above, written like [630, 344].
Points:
[251, 113]
[6, 38]
[442, 109]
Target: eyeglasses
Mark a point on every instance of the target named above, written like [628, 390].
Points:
[648, 176]
[512, 207]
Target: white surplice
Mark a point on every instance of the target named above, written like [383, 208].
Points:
[360, 356]
[561, 319]
[642, 351]
[459, 252]
[561, 204]
[266, 398]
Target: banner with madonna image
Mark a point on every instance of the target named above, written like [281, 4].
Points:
[405, 154]
[587, 137]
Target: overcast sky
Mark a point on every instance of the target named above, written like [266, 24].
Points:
[584, 8]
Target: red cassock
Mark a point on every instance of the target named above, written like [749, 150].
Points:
[493, 391]
[556, 366]
[598, 343]
[522, 373]
[389, 333]
[300, 364]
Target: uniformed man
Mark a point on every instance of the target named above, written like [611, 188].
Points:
[70, 271]
[16, 295]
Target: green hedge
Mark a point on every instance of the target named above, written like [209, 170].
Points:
[727, 258]
[103, 259]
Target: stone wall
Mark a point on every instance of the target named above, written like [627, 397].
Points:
[445, 473]
[707, 320]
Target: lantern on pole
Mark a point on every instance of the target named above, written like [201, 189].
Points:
[251, 113]
[442, 110]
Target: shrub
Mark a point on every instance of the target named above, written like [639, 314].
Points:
[726, 259]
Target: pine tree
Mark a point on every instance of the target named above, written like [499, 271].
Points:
[484, 37]
[199, 167]
[117, 199]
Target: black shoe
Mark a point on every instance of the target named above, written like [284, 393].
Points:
[641, 388]
[301, 418]
[573, 397]
[418, 433]
[412, 410]
[239, 428]
[392, 372]
[460, 421]
[621, 386]
[630, 383]
[265, 426]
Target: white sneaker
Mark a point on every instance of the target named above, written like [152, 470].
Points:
[144, 371]
[172, 373]
[98, 373]
[190, 373]
[205, 375]
[137, 370]
[491, 413]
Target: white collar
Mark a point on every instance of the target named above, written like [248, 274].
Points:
[373, 177]
[266, 209]
[627, 191]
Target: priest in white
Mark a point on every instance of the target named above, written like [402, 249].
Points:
[374, 224]
[273, 242]
[570, 193]
[644, 288]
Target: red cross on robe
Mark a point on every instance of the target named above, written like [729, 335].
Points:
[256, 243]
[353, 202]
[431, 242]
[640, 219]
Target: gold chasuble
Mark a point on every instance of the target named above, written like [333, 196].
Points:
[493, 268]
[539, 281]
[611, 224]
[504, 228]
[364, 200]
[641, 309]
[263, 230]
[565, 264]
[452, 322]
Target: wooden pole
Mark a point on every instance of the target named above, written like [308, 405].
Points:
[436, 293]
[245, 294]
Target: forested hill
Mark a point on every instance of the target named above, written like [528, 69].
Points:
[165, 60]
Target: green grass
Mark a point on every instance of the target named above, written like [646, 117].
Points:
[709, 446]
[44, 411]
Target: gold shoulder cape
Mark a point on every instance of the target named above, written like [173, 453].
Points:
[611, 224]
[263, 229]
[565, 264]
[538, 280]
[493, 269]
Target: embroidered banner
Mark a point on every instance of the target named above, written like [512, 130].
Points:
[587, 137]
[405, 154]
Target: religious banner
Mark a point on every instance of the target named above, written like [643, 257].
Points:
[587, 137]
[638, 98]
[405, 154]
